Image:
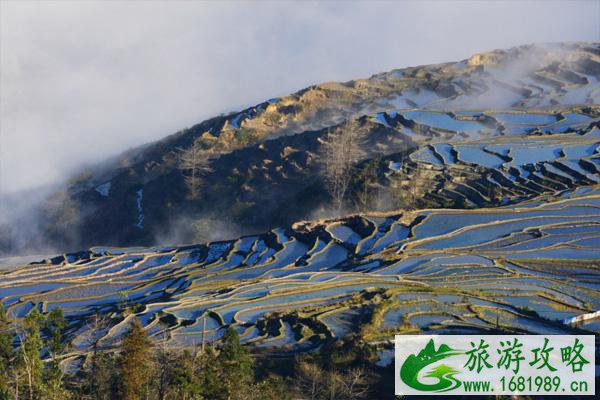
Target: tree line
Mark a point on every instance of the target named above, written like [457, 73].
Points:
[138, 368]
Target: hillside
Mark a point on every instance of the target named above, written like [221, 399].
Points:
[519, 269]
[460, 130]
[455, 198]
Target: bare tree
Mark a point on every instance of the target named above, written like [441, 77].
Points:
[334, 385]
[164, 360]
[419, 184]
[342, 148]
[10, 371]
[310, 380]
[414, 187]
[367, 184]
[408, 184]
[355, 384]
[316, 383]
[30, 346]
[95, 329]
[98, 376]
[194, 162]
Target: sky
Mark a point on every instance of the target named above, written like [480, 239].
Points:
[82, 81]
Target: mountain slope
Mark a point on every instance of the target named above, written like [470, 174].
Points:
[266, 164]
[515, 269]
[470, 204]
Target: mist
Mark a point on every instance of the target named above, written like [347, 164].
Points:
[81, 81]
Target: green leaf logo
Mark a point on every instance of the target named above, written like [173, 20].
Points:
[413, 365]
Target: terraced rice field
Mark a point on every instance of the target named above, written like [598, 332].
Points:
[477, 159]
[520, 268]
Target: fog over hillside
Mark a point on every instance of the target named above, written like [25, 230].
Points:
[83, 81]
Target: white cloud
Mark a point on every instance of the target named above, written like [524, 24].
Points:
[84, 80]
